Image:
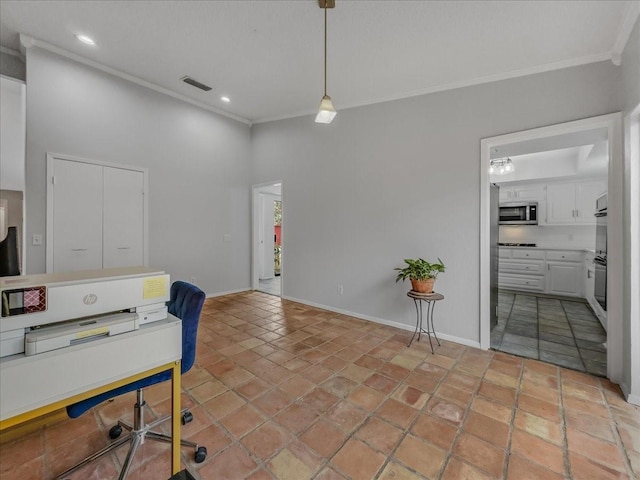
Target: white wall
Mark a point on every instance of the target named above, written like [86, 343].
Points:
[401, 179]
[12, 126]
[551, 236]
[198, 165]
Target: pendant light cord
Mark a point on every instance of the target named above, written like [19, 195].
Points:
[325, 49]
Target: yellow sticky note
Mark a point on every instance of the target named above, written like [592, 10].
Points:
[92, 333]
[154, 287]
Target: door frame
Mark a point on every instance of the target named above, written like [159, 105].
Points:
[51, 157]
[615, 278]
[632, 168]
[256, 211]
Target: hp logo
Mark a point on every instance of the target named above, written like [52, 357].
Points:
[90, 299]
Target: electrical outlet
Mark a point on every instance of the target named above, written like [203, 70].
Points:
[226, 237]
[340, 290]
[36, 240]
[193, 280]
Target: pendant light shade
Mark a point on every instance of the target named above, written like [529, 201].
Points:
[326, 112]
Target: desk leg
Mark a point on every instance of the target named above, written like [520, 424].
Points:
[175, 417]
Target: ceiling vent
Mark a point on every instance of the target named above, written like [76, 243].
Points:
[195, 83]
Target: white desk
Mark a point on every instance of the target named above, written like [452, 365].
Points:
[39, 384]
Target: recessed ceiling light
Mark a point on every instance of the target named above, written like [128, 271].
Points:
[225, 99]
[87, 40]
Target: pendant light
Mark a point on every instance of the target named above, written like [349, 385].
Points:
[326, 112]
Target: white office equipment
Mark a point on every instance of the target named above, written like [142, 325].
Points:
[36, 301]
[63, 335]
[81, 330]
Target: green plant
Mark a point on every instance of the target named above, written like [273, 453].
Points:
[419, 269]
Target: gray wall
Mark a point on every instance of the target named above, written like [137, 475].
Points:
[401, 179]
[198, 165]
[12, 66]
[631, 93]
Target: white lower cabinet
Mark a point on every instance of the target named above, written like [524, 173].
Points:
[557, 272]
[564, 278]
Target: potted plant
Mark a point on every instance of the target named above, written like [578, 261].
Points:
[421, 273]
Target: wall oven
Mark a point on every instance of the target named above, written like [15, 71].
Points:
[600, 260]
[519, 213]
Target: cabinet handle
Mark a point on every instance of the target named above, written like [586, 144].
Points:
[548, 267]
[124, 248]
[78, 249]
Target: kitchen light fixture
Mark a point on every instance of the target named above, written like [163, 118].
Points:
[225, 99]
[87, 40]
[326, 112]
[501, 166]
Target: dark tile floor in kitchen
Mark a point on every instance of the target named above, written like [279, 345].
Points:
[559, 331]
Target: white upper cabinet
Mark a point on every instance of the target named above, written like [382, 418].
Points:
[586, 195]
[573, 203]
[522, 193]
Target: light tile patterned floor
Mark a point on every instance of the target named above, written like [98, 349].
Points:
[281, 390]
[271, 285]
[559, 331]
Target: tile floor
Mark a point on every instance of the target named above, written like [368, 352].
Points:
[559, 331]
[281, 390]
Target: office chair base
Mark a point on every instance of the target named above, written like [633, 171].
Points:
[137, 434]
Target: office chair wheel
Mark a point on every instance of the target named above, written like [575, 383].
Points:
[200, 455]
[115, 432]
[186, 418]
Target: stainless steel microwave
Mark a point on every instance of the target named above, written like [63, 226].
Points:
[519, 213]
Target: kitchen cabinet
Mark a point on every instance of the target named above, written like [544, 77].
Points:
[521, 269]
[556, 272]
[573, 203]
[564, 278]
[528, 193]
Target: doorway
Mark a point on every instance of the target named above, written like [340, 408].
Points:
[555, 137]
[267, 265]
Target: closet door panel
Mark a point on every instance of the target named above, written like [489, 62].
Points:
[77, 216]
[123, 218]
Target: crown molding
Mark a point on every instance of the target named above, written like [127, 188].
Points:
[600, 57]
[27, 42]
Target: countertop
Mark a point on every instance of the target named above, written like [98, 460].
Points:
[552, 247]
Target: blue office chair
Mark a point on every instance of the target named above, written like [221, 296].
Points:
[185, 303]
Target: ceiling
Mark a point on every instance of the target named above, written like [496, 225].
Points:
[267, 56]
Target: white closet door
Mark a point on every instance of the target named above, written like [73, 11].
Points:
[77, 216]
[123, 218]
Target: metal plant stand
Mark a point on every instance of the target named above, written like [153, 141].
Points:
[430, 299]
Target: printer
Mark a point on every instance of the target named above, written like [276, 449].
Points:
[64, 334]
[40, 313]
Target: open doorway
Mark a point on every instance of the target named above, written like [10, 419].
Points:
[267, 238]
[551, 281]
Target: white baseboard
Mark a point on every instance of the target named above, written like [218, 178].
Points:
[390, 323]
[229, 292]
[631, 397]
